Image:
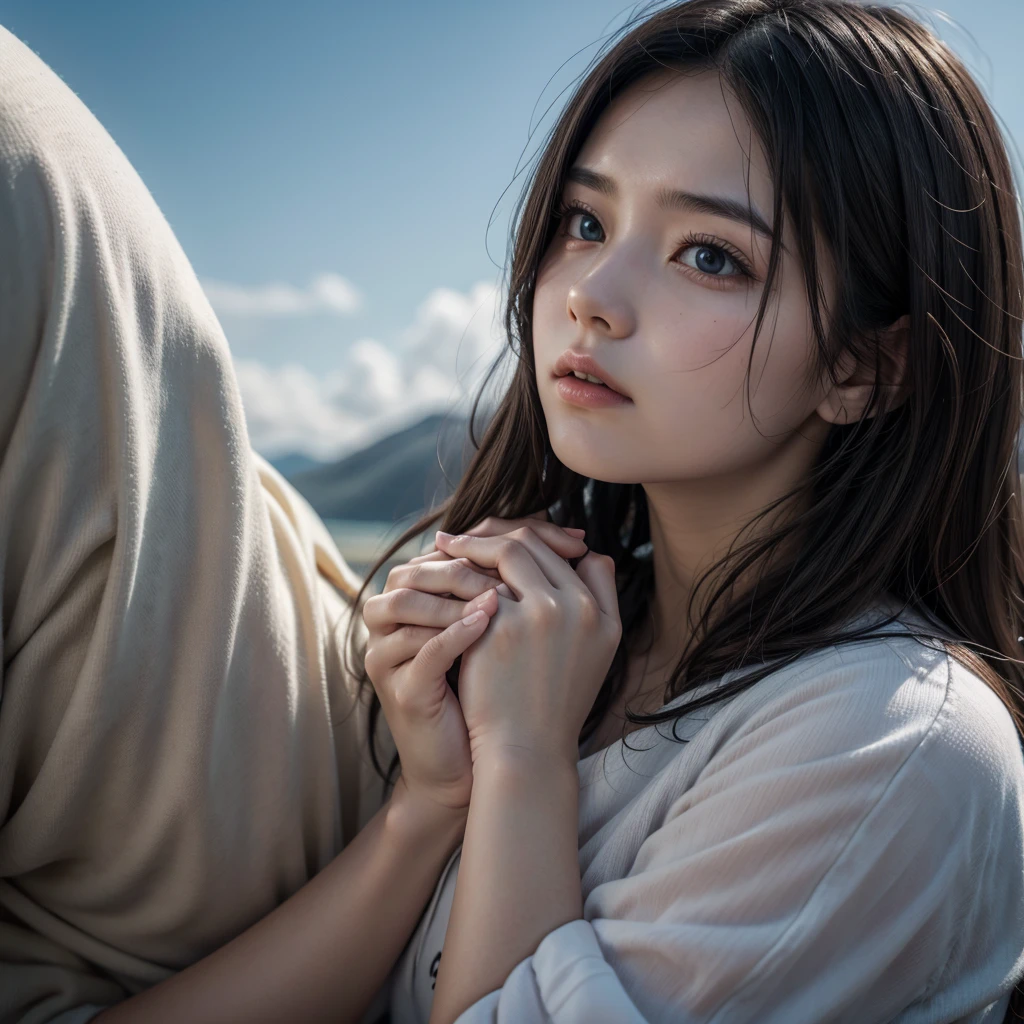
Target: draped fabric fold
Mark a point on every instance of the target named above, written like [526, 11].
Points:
[180, 748]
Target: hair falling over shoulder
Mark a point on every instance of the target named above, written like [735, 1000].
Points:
[876, 134]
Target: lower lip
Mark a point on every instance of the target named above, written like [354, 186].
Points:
[588, 394]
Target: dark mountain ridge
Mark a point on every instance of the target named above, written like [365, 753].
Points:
[396, 477]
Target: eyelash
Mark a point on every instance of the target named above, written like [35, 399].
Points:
[698, 238]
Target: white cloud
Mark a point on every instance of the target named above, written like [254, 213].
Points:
[438, 361]
[326, 293]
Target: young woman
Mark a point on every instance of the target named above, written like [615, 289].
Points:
[756, 755]
[806, 821]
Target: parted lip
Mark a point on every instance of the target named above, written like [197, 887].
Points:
[571, 360]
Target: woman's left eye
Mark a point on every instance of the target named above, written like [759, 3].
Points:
[710, 260]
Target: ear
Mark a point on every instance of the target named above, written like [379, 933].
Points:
[847, 401]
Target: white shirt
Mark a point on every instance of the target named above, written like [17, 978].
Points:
[843, 841]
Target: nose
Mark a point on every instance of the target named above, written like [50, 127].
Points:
[598, 303]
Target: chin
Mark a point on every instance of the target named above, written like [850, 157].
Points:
[596, 462]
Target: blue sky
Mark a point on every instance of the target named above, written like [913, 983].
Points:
[331, 169]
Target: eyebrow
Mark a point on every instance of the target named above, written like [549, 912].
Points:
[678, 199]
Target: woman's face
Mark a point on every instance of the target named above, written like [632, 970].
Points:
[663, 296]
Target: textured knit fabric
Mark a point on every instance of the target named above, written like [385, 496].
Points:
[179, 751]
[842, 842]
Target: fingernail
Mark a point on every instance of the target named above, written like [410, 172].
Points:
[441, 535]
[470, 619]
[575, 529]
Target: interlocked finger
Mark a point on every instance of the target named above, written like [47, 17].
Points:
[458, 576]
[440, 556]
[404, 643]
[383, 613]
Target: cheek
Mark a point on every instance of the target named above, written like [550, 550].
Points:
[698, 378]
[697, 353]
[782, 395]
[550, 320]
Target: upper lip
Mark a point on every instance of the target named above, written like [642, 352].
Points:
[570, 360]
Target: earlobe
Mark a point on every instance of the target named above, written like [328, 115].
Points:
[847, 401]
[844, 405]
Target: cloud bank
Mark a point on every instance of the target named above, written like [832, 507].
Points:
[437, 362]
[326, 293]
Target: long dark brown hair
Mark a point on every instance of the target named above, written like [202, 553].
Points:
[877, 135]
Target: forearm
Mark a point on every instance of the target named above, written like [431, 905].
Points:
[322, 954]
[519, 876]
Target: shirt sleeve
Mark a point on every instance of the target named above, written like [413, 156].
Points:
[851, 851]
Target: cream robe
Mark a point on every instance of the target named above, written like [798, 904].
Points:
[179, 750]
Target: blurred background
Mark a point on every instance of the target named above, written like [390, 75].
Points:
[342, 177]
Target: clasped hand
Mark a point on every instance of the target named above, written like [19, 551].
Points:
[531, 667]
[528, 683]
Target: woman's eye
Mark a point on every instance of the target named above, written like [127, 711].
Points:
[701, 256]
[592, 225]
[708, 259]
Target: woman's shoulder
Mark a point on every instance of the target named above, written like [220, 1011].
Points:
[933, 715]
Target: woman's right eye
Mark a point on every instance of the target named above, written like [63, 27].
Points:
[588, 223]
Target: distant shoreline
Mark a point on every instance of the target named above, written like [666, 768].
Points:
[361, 542]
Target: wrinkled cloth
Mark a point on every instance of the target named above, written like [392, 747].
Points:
[180, 745]
[841, 842]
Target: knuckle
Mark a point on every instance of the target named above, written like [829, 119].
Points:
[373, 666]
[412, 576]
[431, 648]
[543, 610]
[589, 613]
[464, 573]
[371, 609]
[405, 695]
[432, 645]
[394, 601]
[374, 663]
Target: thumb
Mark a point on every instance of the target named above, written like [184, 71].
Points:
[438, 654]
[598, 573]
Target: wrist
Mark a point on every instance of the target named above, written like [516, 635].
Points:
[522, 765]
[417, 819]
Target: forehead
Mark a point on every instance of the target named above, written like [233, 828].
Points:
[680, 131]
